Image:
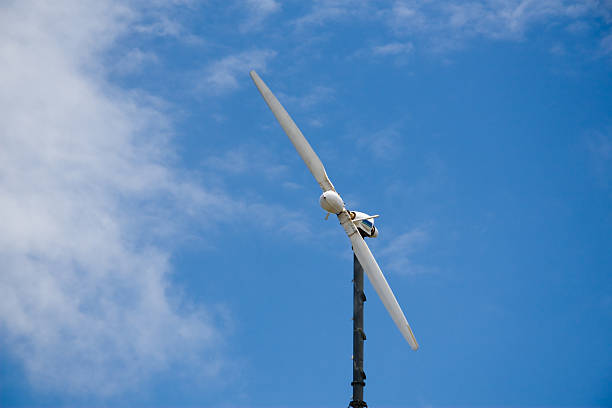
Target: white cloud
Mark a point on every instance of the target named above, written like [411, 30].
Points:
[257, 12]
[449, 24]
[85, 193]
[265, 165]
[246, 159]
[160, 26]
[134, 60]
[324, 11]
[291, 185]
[600, 148]
[158, 18]
[384, 144]
[558, 49]
[394, 48]
[398, 253]
[221, 75]
[317, 95]
[606, 44]
[263, 6]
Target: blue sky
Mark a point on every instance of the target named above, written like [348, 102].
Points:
[162, 242]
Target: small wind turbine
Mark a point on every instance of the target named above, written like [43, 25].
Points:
[357, 225]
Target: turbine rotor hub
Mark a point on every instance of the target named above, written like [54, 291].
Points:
[331, 202]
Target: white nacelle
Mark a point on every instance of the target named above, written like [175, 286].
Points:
[364, 224]
[331, 202]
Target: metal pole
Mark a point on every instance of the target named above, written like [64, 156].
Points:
[358, 336]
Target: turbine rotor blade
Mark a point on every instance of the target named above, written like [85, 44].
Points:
[370, 266]
[295, 135]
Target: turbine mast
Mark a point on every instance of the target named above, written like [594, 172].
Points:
[358, 336]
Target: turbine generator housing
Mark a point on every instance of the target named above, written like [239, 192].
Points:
[364, 223]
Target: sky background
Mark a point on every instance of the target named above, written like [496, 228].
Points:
[162, 242]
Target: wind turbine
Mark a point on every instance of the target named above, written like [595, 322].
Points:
[357, 225]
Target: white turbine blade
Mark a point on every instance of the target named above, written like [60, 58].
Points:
[367, 261]
[297, 138]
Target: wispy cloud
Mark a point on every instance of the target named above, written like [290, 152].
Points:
[161, 19]
[396, 51]
[134, 61]
[600, 148]
[394, 48]
[606, 44]
[313, 98]
[245, 159]
[86, 191]
[384, 144]
[257, 12]
[398, 254]
[251, 208]
[324, 11]
[160, 27]
[449, 24]
[558, 49]
[221, 76]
